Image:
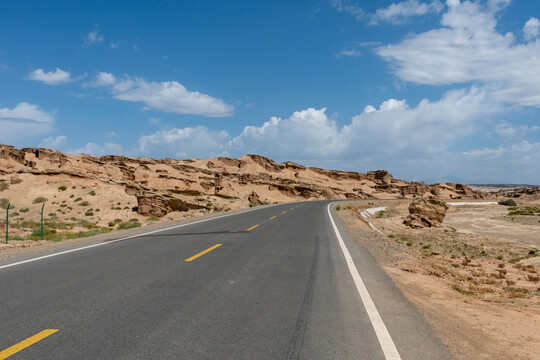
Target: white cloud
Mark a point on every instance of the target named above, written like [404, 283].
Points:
[509, 131]
[344, 6]
[469, 48]
[101, 79]
[52, 77]
[100, 150]
[154, 121]
[396, 13]
[94, 37]
[183, 143]
[24, 122]
[401, 12]
[55, 143]
[4, 68]
[531, 30]
[350, 53]
[168, 96]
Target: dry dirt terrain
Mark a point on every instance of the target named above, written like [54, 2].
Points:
[87, 195]
[475, 278]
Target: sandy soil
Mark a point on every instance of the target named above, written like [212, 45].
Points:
[478, 291]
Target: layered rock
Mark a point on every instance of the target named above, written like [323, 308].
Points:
[426, 213]
[221, 181]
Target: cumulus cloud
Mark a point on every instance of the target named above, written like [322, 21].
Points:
[531, 30]
[52, 77]
[393, 130]
[183, 143]
[469, 48]
[23, 122]
[101, 79]
[167, 96]
[100, 150]
[398, 13]
[55, 143]
[306, 134]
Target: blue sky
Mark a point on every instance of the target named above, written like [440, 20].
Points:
[429, 90]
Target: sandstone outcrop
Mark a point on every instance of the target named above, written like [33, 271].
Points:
[426, 213]
[162, 186]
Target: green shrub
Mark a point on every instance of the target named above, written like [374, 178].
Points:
[380, 214]
[338, 207]
[84, 203]
[508, 202]
[62, 188]
[93, 193]
[128, 225]
[88, 213]
[77, 199]
[39, 200]
[4, 203]
[15, 180]
[252, 204]
[3, 185]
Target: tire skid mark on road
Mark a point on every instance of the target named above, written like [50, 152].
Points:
[297, 339]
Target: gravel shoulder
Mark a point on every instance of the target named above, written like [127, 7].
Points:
[480, 293]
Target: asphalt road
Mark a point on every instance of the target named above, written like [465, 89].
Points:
[280, 290]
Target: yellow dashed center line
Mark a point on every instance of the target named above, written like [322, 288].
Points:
[202, 253]
[26, 343]
[273, 217]
[284, 212]
[251, 228]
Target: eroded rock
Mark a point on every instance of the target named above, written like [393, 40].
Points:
[426, 213]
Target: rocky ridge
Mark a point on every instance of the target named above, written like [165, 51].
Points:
[163, 186]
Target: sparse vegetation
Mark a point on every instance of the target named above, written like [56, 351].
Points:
[15, 180]
[3, 185]
[380, 214]
[128, 225]
[39, 200]
[4, 203]
[508, 202]
[84, 203]
[62, 188]
[93, 193]
[77, 199]
[338, 207]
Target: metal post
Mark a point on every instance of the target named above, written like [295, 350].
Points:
[42, 220]
[7, 222]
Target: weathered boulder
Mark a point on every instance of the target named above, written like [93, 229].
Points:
[253, 198]
[153, 204]
[426, 213]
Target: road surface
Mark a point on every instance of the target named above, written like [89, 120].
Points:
[269, 283]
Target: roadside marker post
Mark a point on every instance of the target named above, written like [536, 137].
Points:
[42, 220]
[7, 222]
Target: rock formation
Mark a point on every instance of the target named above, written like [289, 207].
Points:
[162, 186]
[426, 213]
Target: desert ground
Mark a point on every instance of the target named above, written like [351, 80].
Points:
[475, 278]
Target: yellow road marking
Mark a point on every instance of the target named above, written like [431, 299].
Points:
[251, 228]
[200, 254]
[26, 343]
[273, 217]
[284, 212]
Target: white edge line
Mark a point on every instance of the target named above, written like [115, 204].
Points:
[385, 340]
[126, 238]
[363, 214]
